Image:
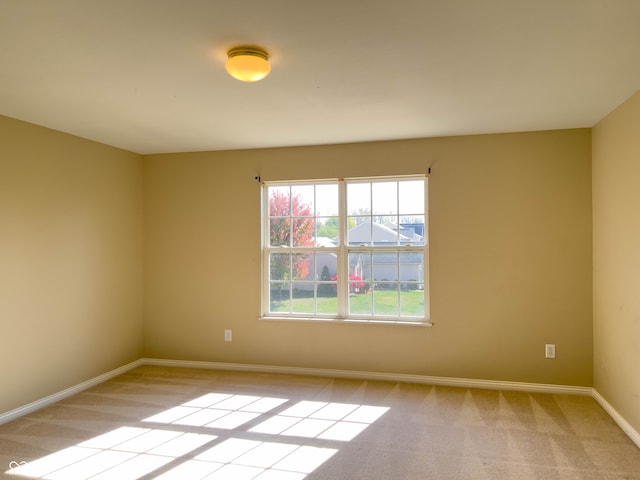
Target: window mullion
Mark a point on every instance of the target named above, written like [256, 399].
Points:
[342, 269]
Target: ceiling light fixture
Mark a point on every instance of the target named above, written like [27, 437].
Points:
[248, 64]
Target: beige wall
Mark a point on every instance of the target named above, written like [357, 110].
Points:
[511, 259]
[70, 260]
[616, 266]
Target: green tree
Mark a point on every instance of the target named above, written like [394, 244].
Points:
[325, 289]
[329, 228]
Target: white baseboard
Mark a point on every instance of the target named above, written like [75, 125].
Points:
[631, 432]
[388, 377]
[56, 397]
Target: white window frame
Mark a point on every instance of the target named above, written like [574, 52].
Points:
[342, 262]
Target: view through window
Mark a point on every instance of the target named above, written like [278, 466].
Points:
[355, 249]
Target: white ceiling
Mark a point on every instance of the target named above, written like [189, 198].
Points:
[148, 75]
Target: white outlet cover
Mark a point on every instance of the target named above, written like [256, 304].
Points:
[550, 350]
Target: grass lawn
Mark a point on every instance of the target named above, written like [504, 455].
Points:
[378, 302]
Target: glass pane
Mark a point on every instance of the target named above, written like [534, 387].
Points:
[279, 297]
[385, 198]
[359, 266]
[326, 268]
[301, 266]
[412, 230]
[357, 286]
[303, 232]
[279, 232]
[359, 231]
[411, 193]
[303, 298]
[328, 303]
[327, 200]
[327, 289]
[412, 303]
[358, 198]
[385, 230]
[412, 269]
[279, 200]
[385, 270]
[327, 231]
[279, 266]
[302, 201]
[385, 302]
[360, 305]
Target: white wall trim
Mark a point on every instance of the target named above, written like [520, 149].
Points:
[56, 397]
[626, 427]
[388, 377]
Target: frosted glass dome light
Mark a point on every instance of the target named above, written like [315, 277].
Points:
[248, 64]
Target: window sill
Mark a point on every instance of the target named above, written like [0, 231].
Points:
[349, 321]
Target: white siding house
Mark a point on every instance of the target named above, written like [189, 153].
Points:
[385, 266]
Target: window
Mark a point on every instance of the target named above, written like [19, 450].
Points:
[350, 250]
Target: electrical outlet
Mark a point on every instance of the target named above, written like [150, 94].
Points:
[550, 350]
[227, 335]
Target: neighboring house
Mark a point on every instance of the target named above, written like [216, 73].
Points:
[385, 266]
[363, 233]
[325, 242]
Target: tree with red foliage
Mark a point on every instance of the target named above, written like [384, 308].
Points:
[291, 225]
[356, 285]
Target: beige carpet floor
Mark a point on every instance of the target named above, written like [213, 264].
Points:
[188, 424]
